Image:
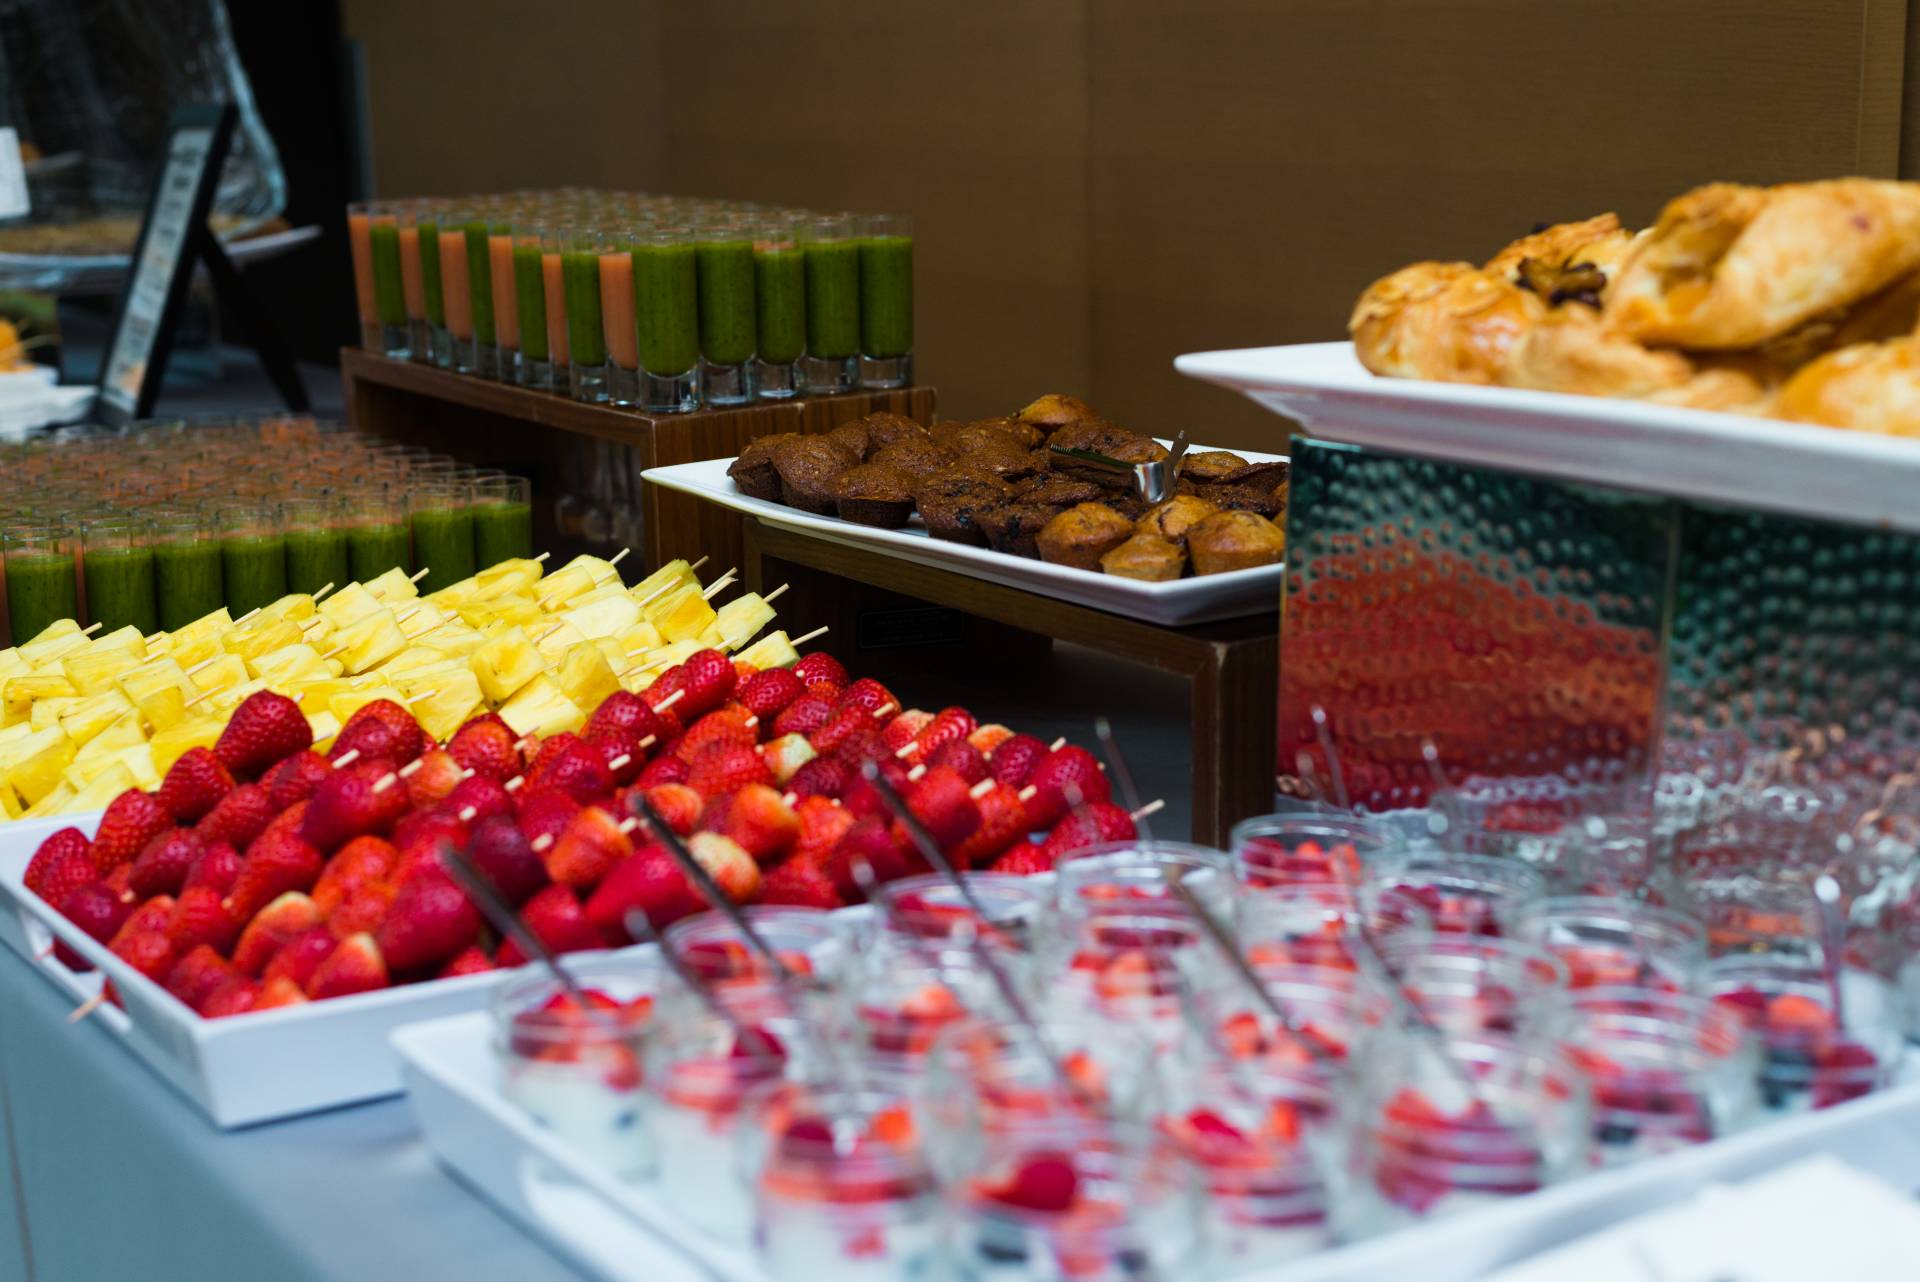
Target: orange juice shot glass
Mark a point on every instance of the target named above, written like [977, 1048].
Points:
[360, 242]
[506, 312]
[456, 286]
[618, 317]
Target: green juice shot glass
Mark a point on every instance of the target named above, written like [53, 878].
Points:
[316, 542]
[440, 514]
[530, 301]
[831, 245]
[432, 292]
[116, 565]
[389, 290]
[886, 302]
[486, 343]
[187, 576]
[586, 336]
[377, 534]
[724, 272]
[253, 556]
[43, 582]
[780, 309]
[502, 520]
[666, 304]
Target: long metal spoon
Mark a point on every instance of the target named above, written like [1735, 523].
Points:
[716, 898]
[479, 888]
[1833, 942]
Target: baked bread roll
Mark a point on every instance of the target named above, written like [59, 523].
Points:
[1575, 351]
[1729, 266]
[1599, 242]
[1446, 321]
[1869, 387]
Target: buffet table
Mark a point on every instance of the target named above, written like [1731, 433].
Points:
[124, 1180]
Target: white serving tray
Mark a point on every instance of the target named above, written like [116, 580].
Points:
[246, 1069]
[621, 1232]
[1860, 478]
[1196, 599]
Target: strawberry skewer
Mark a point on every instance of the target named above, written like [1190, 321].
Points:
[487, 898]
[710, 889]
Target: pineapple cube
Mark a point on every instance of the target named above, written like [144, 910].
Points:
[100, 788]
[516, 575]
[583, 675]
[11, 807]
[454, 595]
[315, 694]
[738, 622]
[673, 575]
[504, 663]
[370, 642]
[125, 732]
[518, 610]
[47, 712]
[36, 764]
[52, 804]
[14, 734]
[21, 693]
[196, 640]
[253, 641]
[452, 639]
[11, 663]
[295, 662]
[683, 617]
[393, 586]
[639, 639]
[602, 613]
[171, 744]
[225, 701]
[88, 717]
[52, 641]
[349, 605]
[542, 708]
[417, 617]
[348, 702]
[225, 672]
[418, 658]
[571, 581]
[554, 639]
[770, 651]
[98, 665]
[325, 727]
[139, 760]
[448, 704]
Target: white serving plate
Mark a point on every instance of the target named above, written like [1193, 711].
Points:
[1860, 478]
[1200, 599]
[239, 1071]
[621, 1232]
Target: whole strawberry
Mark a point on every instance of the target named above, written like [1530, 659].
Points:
[819, 666]
[649, 881]
[95, 909]
[235, 997]
[300, 957]
[487, 747]
[354, 966]
[804, 716]
[381, 730]
[63, 861]
[263, 729]
[275, 863]
[962, 757]
[217, 868]
[951, 725]
[272, 928]
[1090, 825]
[200, 970]
[481, 795]
[678, 806]
[294, 779]
[164, 862]
[903, 730]
[766, 694]
[626, 713]
[429, 923]
[431, 777]
[846, 722]
[557, 920]
[472, 960]
[578, 770]
[1067, 778]
[943, 803]
[200, 918]
[360, 862]
[194, 785]
[822, 825]
[624, 758]
[868, 694]
[365, 797]
[587, 849]
[502, 853]
[820, 777]
[129, 822]
[241, 817]
[726, 770]
[1013, 762]
[731, 726]
[660, 771]
[708, 678]
[869, 842]
[1003, 821]
[763, 824]
[803, 883]
[546, 814]
[1023, 859]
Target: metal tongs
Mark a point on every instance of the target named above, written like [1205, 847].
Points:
[1152, 481]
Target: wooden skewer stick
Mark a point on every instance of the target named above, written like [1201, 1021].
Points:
[196, 698]
[465, 814]
[96, 625]
[1149, 810]
[697, 564]
[797, 642]
[629, 824]
[413, 767]
[772, 596]
[423, 572]
[206, 662]
[339, 649]
[1057, 744]
[542, 557]
[620, 762]
[406, 614]
[1026, 793]
[718, 586]
[346, 758]
[542, 843]
[385, 782]
[670, 700]
[248, 615]
[913, 775]
[416, 698]
[885, 710]
[87, 1007]
[619, 556]
[981, 789]
[514, 784]
[322, 592]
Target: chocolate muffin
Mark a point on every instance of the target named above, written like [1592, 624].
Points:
[1014, 527]
[753, 472]
[976, 438]
[1055, 490]
[951, 498]
[852, 437]
[1267, 502]
[1146, 556]
[1173, 518]
[917, 458]
[1229, 541]
[1054, 411]
[1081, 535]
[1265, 475]
[1209, 466]
[885, 430]
[874, 494]
[1093, 434]
[808, 467]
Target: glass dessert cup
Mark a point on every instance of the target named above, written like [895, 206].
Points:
[1244, 1129]
[1113, 873]
[579, 1072]
[1326, 923]
[1275, 850]
[1809, 1059]
[701, 1072]
[809, 942]
[1471, 985]
[1668, 1069]
[1464, 894]
[930, 907]
[1415, 1144]
[1331, 1010]
[840, 1183]
[901, 996]
[1074, 1198]
[1607, 942]
[1532, 821]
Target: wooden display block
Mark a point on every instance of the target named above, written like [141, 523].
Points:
[1231, 667]
[546, 437]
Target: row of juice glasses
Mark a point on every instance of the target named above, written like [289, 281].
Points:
[1154, 1116]
[657, 303]
[161, 525]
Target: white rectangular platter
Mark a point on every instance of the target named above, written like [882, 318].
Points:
[621, 1232]
[1855, 477]
[1198, 599]
[245, 1069]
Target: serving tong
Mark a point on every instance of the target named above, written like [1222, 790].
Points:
[1152, 481]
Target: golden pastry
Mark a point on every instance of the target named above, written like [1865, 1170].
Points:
[1729, 266]
[1728, 389]
[1446, 321]
[1146, 556]
[1575, 351]
[1229, 541]
[1869, 387]
[1555, 254]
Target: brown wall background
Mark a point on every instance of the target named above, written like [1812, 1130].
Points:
[1099, 185]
